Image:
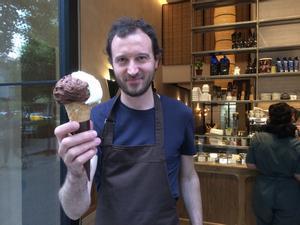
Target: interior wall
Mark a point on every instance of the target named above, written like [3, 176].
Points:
[96, 17]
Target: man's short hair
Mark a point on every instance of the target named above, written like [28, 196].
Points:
[125, 26]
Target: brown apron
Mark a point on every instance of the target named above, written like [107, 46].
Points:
[134, 182]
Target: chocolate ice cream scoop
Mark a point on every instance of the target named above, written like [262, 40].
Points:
[69, 89]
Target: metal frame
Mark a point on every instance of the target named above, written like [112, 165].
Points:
[68, 62]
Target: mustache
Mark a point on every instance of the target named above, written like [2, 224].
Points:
[134, 77]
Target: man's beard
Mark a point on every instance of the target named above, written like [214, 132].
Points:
[135, 92]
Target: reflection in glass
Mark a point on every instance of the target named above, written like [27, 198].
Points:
[40, 166]
[29, 168]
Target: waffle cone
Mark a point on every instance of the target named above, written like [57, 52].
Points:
[77, 111]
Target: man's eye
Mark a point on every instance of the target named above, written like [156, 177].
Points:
[142, 58]
[121, 60]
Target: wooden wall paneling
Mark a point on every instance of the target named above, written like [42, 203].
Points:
[226, 194]
[176, 33]
[209, 37]
[167, 34]
[198, 37]
[186, 34]
[250, 218]
[219, 197]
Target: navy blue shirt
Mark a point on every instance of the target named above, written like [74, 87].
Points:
[137, 127]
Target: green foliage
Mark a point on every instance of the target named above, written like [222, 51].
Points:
[198, 65]
[38, 61]
[28, 18]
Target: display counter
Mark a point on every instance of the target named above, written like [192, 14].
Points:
[226, 191]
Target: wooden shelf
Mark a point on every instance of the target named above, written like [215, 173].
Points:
[215, 135]
[220, 102]
[279, 48]
[279, 21]
[223, 102]
[228, 26]
[247, 50]
[217, 3]
[207, 77]
[238, 147]
[224, 51]
[248, 24]
[282, 74]
[225, 77]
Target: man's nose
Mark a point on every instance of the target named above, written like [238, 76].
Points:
[132, 68]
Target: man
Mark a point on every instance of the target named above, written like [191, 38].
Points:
[146, 143]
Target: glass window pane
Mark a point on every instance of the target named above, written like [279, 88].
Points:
[29, 40]
[40, 165]
[29, 167]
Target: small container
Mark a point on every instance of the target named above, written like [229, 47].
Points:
[223, 159]
[242, 158]
[244, 141]
[273, 69]
[265, 65]
[202, 157]
[296, 64]
[265, 96]
[213, 157]
[293, 97]
[196, 92]
[285, 64]
[276, 96]
[290, 64]
[279, 66]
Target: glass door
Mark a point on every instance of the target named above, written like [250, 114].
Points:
[30, 171]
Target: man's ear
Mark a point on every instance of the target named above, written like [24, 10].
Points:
[157, 61]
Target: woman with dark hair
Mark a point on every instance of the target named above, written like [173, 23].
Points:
[296, 121]
[275, 153]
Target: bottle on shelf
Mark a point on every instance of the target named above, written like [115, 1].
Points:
[285, 64]
[290, 64]
[251, 94]
[229, 91]
[242, 95]
[235, 120]
[253, 66]
[224, 65]
[296, 64]
[249, 67]
[234, 92]
[234, 40]
[279, 66]
[214, 65]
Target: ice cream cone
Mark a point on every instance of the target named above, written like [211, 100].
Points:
[80, 112]
[79, 92]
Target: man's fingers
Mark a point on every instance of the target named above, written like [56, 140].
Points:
[78, 150]
[77, 139]
[65, 129]
[83, 158]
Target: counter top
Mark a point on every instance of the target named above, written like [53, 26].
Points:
[232, 168]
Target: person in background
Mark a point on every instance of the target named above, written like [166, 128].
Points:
[296, 120]
[275, 153]
[145, 159]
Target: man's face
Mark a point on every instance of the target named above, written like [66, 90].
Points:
[133, 62]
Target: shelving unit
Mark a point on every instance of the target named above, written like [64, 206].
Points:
[256, 24]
